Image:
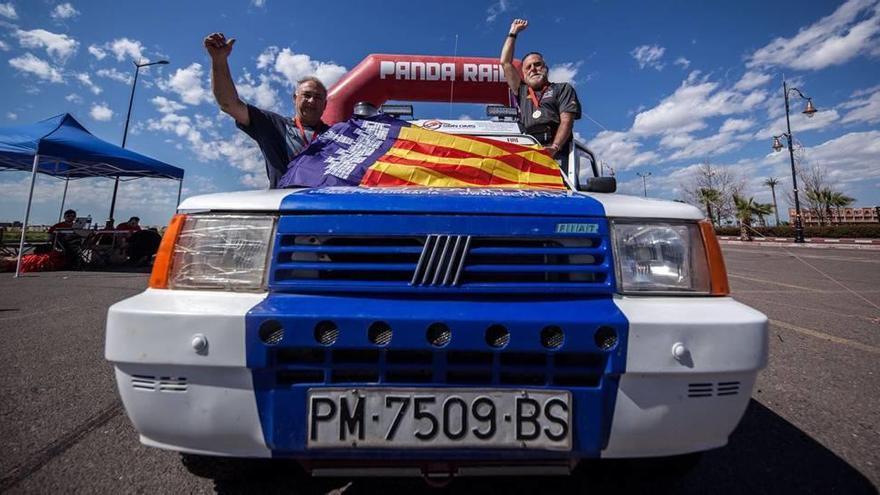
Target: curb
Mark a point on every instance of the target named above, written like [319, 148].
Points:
[810, 240]
[808, 245]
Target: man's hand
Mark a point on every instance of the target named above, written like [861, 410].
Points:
[518, 25]
[219, 49]
[218, 46]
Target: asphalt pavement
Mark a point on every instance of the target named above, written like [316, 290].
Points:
[813, 425]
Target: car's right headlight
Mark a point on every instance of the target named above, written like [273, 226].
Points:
[667, 257]
[214, 251]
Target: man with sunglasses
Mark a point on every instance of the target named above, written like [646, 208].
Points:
[280, 139]
[547, 110]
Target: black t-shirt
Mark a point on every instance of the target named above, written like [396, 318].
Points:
[279, 139]
[557, 98]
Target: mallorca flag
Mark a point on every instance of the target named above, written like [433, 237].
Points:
[387, 152]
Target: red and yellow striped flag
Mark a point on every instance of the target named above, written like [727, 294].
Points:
[386, 152]
[421, 157]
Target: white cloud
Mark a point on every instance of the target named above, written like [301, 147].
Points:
[564, 73]
[114, 74]
[688, 146]
[648, 56]
[295, 66]
[101, 112]
[36, 66]
[799, 123]
[621, 150]
[98, 52]
[707, 146]
[865, 91]
[7, 10]
[751, 80]
[164, 105]
[683, 62]
[666, 183]
[696, 99]
[865, 110]
[64, 11]
[3, 46]
[153, 200]
[87, 82]
[262, 95]
[58, 46]
[124, 48]
[258, 3]
[11, 115]
[851, 158]
[497, 8]
[73, 98]
[267, 58]
[736, 125]
[850, 31]
[181, 125]
[237, 149]
[199, 184]
[187, 83]
[676, 140]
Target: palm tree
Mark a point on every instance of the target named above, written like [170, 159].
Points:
[761, 210]
[826, 196]
[773, 182]
[709, 197]
[745, 209]
[840, 200]
[817, 198]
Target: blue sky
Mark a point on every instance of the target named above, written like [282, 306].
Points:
[665, 86]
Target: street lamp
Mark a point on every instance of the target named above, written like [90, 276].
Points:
[644, 177]
[137, 68]
[809, 110]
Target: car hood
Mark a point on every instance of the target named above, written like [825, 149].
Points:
[473, 201]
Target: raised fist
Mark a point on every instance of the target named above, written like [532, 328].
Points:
[218, 46]
[518, 25]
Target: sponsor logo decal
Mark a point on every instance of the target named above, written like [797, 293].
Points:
[436, 71]
[432, 125]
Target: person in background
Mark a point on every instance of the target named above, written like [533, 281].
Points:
[67, 223]
[133, 223]
[142, 245]
[68, 243]
[280, 138]
[548, 110]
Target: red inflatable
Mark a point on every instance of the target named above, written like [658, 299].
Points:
[380, 77]
[47, 262]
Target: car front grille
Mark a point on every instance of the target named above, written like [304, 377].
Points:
[445, 261]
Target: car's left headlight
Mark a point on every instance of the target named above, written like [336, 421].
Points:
[214, 251]
[660, 257]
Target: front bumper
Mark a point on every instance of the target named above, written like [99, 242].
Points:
[225, 400]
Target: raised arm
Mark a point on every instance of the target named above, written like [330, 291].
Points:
[563, 132]
[514, 79]
[225, 93]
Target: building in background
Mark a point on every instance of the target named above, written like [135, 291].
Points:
[849, 215]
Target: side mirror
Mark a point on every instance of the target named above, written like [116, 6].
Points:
[599, 185]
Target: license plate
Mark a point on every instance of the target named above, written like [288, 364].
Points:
[439, 418]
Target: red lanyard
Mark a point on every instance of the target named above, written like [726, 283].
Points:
[535, 100]
[303, 131]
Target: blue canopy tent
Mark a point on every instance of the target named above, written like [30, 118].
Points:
[61, 147]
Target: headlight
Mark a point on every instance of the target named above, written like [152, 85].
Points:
[227, 252]
[660, 257]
